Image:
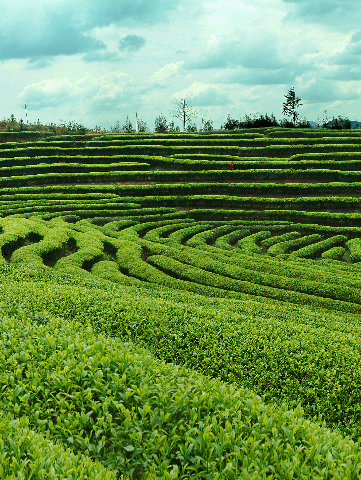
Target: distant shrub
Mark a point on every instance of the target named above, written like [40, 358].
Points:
[67, 128]
[258, 120]
[231, 124]
[285, 123]
[339, 123]
[191, 128]
[128, 126]
[161, 125]
[142, 126]
[255, 120]
[303, 123]
[117, 128]
[207, 126]
[172, 128]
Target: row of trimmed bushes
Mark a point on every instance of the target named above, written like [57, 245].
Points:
[309, 204]
[179, 194]
[243, 258]
[72, 167]
[195, 161]
[183, 162]
[196, 279]
[282, 187]
[315, 249]
[270, 151]
[131, 173]
[343, 221]
[206, 141]
[224, 274]
[311, 133]
[174, 139]
[84, 160]
[247, 348]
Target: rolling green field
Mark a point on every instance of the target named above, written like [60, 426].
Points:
[165, 317]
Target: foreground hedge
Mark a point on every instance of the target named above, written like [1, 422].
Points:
[314, 364]
[27, 454]
[151, 420]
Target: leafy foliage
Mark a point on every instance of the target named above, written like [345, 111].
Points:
[339, 123]
[67, 128]
[291, 104]
[161, 124]
[207, 126]
[128, 126]
[248, 280]
[258, 120]
[108, 400]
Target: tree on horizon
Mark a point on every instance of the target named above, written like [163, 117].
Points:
[291, 104]
[184, 111]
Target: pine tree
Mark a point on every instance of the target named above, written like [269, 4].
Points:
[292, 102]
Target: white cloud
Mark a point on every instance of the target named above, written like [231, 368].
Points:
[239, 47]
[204, 95]
[105, 89]
[338, 15]
[162, 76]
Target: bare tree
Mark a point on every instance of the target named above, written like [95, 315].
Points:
[184, 111]
[26, 113]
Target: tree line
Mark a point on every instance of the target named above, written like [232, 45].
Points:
[289, 108]
[184, 111]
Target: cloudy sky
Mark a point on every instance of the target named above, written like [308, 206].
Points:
[97, 61]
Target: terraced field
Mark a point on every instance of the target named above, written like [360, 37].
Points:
[167, 317]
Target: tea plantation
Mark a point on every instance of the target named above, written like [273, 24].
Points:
[166, 317]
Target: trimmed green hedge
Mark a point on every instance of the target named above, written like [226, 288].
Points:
[229, 189]
[354, 246]
[151, 420]
[24, 136]
[199, 267]
[315, 249]
[227, 241]
[27, 454]
[242, 348]
[163, 150]
[309, 206]
[281, 248]
[268, 242]
[335, 253]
